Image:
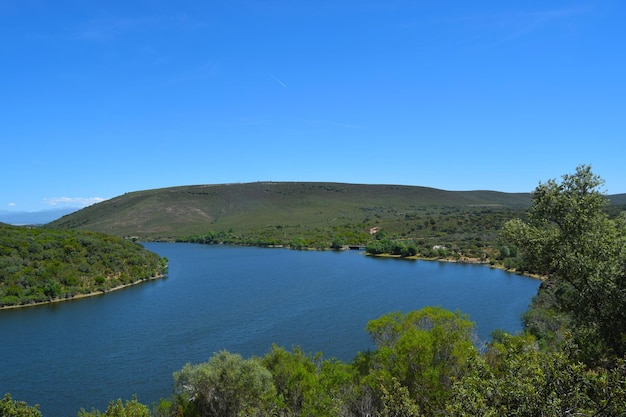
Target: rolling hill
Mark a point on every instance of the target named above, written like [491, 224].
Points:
[289, 207]
[618, 199]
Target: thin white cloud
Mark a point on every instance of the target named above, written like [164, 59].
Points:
[11, 204]
[73, 201]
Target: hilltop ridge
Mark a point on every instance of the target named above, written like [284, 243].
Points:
[305, 214]
[263, 208]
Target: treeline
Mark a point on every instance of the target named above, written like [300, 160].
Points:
[39, 265]
[435, 232]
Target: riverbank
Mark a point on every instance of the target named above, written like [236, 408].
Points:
[469, 261]
[79, 296]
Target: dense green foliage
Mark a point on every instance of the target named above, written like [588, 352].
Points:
[131, 408]
[12, 408]
[424, 351]
[39, 265]
[434, 232]
[570, 239]
[225, 386]
[569, 361]
[515, 378]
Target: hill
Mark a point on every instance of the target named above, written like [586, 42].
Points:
[38, 265]
[279, 212]
[618, 199]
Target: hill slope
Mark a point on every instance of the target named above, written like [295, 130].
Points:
[618, 199]
[39, 265]
[250, 208]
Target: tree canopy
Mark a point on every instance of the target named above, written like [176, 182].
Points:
[39, 265]
[225, 386]
[570, 240]
[13, 408]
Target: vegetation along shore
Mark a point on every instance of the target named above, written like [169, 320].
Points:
[40, 265]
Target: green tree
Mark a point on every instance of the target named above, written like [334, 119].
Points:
[377, 247]
[294, 376]
[12, 408]
[425, 351]
[225, 386]
[399, 248]
[306, 385]
[119, 409]
[515, 378]
[505, 252]
[570, 239]
[397, 402]
[337, 243]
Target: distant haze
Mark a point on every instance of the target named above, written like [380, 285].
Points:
[19, 218]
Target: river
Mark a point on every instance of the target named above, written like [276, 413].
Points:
[83, 353]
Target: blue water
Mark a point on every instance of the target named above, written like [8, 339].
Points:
[86, 352]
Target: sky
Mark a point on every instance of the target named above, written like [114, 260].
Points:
[100, 98]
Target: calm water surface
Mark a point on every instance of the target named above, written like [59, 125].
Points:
[84, 353]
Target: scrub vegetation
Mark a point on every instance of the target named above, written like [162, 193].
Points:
[39, 265]
[309, 215]
[570, 360]
[387, 219]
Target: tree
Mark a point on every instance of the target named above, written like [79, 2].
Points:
[306, 385]
[398, 402]
[570, 239]
[515, 378]
[225, 386]
[377, 246]
[294, 376]
[12, 408]
[337, 243]
[424, 351]
[119, 409]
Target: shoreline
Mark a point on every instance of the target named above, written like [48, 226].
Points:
[466, 261]
[79, 296]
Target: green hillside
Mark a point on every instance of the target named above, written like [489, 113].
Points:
[618, 199]
[172, 212]
[311, 214]
[299, 214]
[38, 265]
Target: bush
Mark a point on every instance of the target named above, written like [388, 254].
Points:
[12, 408]
[225, 386]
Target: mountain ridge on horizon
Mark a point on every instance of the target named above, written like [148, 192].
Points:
[34, 218]
[45, 216]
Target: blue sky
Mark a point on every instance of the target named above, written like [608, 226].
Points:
[99, 98]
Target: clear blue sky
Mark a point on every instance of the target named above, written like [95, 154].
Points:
[99, 98]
